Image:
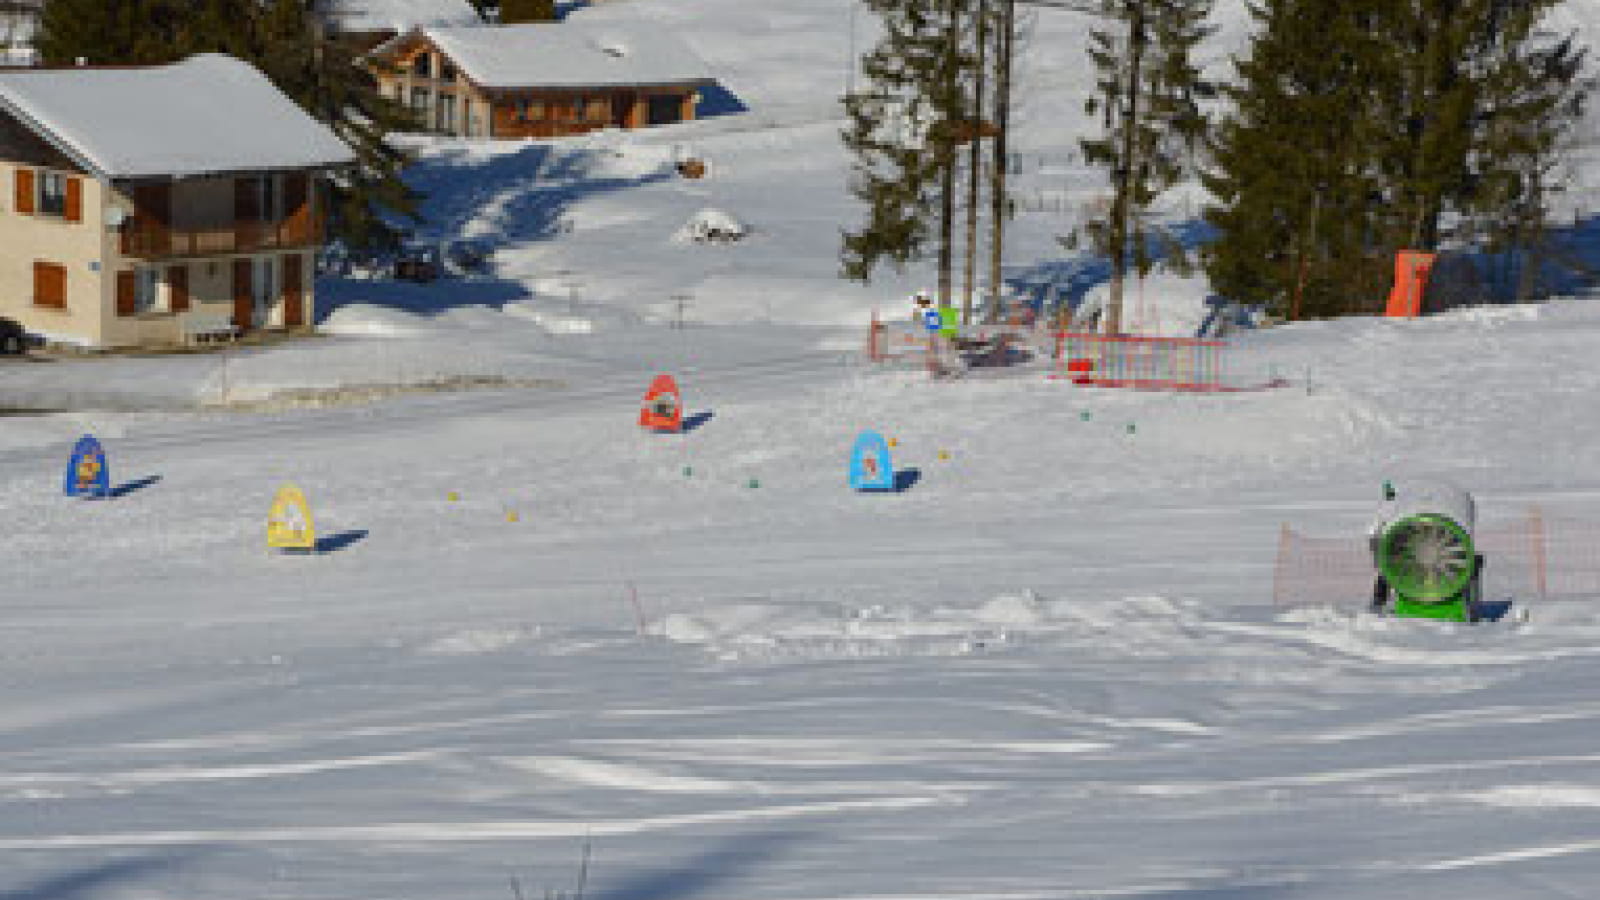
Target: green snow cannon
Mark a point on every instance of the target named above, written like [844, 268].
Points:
[1423, 550]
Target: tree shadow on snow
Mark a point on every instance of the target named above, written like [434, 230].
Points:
[94, 880]
[1051, 285]
[698, 875]
[1568, 263]
[523, 197]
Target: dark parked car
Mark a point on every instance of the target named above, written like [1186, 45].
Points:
[419, 263]
[14, 339]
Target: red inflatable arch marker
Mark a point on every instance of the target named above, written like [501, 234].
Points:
[663, 406]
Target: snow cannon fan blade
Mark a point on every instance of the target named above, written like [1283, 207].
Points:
[1427, 558]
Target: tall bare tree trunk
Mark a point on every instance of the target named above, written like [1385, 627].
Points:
[1121, 201]
[1004, 46]
[946, 148]
[975, 159]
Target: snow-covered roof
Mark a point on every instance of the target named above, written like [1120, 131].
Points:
[396, 15]
[207, 114]
[565, 54]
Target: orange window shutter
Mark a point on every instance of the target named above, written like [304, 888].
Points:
[297, 206]
[74, 204]
[127, 294]
[43, 284]
[50, 285]
[25, 191]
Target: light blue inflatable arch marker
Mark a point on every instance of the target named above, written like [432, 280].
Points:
[871, 467]
[88, 474]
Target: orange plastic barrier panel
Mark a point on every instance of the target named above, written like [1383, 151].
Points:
[1411, 268]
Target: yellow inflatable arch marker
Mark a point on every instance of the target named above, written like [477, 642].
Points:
[289, 525]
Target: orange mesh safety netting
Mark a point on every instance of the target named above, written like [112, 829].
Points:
[1536, 556]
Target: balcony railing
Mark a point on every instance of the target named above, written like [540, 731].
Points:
[158, 241]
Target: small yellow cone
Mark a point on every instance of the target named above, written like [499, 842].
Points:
[944, 454]
[511, 517]
[452, 496]
[894, 442]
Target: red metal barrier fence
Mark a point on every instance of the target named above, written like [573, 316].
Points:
[1136, 361]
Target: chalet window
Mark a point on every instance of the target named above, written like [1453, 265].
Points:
[52, 194]
[531, 111]
[147, 290]
[271, 196]
[447, 112]
[419, 99]
[423, 65]
[447, 72]
[263, 287]
[50, 285]
[664, 109]
[598, 109]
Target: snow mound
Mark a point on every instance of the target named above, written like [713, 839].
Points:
[479, 640]
[711, 226]
[366, 320]
[553, 322]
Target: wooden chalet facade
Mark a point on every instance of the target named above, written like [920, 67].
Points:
[542, 80]
[106, 245]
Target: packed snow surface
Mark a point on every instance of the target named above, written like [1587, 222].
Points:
[1049, 668]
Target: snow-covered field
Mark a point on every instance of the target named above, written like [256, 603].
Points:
[1049, 669]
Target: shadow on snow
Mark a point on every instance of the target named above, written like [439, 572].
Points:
[94, 880]
[524, 195]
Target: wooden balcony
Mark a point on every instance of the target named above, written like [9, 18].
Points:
[155, 241]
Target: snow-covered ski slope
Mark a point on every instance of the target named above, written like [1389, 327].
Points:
[1049, 669]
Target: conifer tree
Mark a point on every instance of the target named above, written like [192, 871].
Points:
[1291, 168]
[103, 32]
[891, 118]
[327, 80]
[1147, 92]
[1533, 94]
[908, 122]
[1360, 125]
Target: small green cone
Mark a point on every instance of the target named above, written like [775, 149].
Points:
[1085, 415]
[1131, 428]
[688, 471]
[755, 482]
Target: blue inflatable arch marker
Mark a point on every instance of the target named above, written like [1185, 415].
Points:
[871, 467]
[88, 475]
